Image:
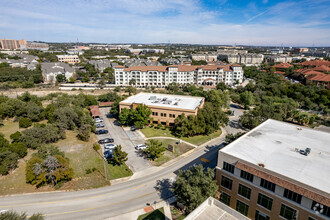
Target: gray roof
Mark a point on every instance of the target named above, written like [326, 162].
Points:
[48, 68]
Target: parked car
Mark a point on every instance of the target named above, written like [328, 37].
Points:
[108, 154]
[100, 125]
[110, 147]
[98, 120]
[141, 147]
[106, 140]
[133, 128]
[102, 131]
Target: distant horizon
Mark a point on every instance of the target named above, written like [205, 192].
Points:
[303, 23]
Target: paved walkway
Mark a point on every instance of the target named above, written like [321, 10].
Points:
[136, 213]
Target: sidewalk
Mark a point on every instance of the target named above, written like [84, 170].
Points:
[135, 214]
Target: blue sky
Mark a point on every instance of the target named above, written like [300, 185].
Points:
[259, 22]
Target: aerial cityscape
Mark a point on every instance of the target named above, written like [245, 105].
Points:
[161, 110]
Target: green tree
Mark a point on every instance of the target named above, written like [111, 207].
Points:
[194, 185]
[84, 132]
[60, 78]
[120, 156]
[124, 116]
[117, 89]
[132, 82]
[246, 99]
[154, 150]
[130, 89]
[141, 116]
[24, 122]
[96, 147]
[15, 137]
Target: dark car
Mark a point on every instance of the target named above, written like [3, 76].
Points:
[106, 140]
[108, 154]
[102, 131]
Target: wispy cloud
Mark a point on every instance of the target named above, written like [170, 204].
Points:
[181, 21]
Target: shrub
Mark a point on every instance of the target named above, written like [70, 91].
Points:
[24, 122]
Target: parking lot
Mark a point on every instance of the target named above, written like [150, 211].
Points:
[127, 139]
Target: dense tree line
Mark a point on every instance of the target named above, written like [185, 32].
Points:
[27, 78]
[11, 152]
[140, 116]
[273, 97]
[48, 166]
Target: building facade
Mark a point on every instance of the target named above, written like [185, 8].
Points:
[9, 44]
[162, 76]
[248, 59]
[68, 58]
[51, 70]
[277, 171]
[165, 108]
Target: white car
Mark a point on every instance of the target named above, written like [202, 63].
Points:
[109, 146]
[98, 120]
[141, 147]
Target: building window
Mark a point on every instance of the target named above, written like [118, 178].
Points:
[288, 213]
[265, 201]
[242, 207]
[244, 191]
[260, 216]
[225, 198]
[267, 185]
[292, 196]
[228, 167]
[323, 209]
[247, 176]
[226, 182]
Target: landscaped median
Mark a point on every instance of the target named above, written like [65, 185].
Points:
[150, 132]
[168, 155]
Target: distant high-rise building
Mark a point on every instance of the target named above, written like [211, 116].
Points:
[9, 44]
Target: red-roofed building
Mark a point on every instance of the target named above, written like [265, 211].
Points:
[282, 66]
[320, 79]
[95, 111]
[105, 104]
[322, 68]
[315, 63]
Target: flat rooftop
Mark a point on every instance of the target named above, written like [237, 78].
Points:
[212, 209]
[274, 144]
[165, 100]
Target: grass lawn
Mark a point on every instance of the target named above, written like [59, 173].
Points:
[168, 155]
[158, 214]
[116, 171]
[162, 132]
[9, 127]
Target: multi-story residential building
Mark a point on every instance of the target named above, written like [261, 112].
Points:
[68, 58]
[24, 60]
[248, 59]
[206, 57]
[165, 108]
[277, 171]
[9, 44]
[162, 76]
[51, 70]
[278, 58]
[38, 46]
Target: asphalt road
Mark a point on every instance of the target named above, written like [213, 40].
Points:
[107, 201]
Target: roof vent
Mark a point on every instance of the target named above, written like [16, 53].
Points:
[299, 129]
[261, 165]
[304, 152]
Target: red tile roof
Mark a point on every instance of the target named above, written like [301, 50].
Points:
[283, 66]
[95, 111]
[320, 78]
[311, 72]
[322, 68]
[315, 63]
[181, 68]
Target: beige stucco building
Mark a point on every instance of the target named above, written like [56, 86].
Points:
[165, 108]
[68, 58]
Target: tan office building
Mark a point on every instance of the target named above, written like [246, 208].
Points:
[9, 44]
[277, 171]
[165, 108]
[68, 58]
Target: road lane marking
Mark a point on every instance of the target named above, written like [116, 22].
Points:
[67, 200]
[96, 207]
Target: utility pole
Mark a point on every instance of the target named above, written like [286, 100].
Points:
[105, 170]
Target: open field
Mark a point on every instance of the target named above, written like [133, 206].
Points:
[168, 155]
[9, 127]
[82, 157]
[165, 132]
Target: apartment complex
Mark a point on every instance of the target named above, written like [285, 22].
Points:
[165, 108]
[9, 44]
[249, 59]
[68, 58]
[277, 171]
[161, 76]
